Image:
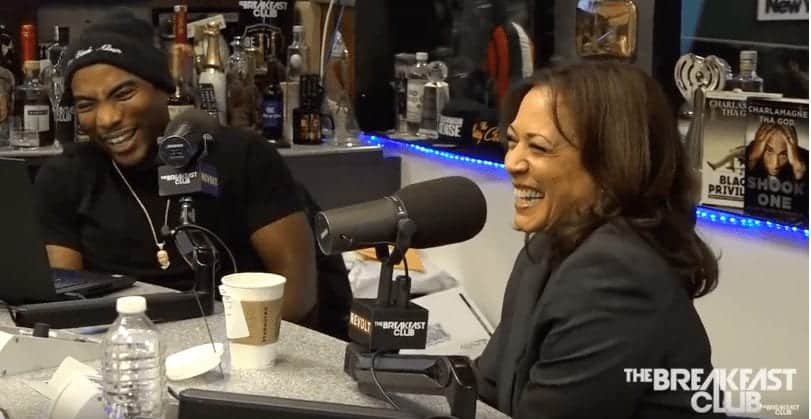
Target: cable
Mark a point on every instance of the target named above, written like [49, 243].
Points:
[210, 233]
[324, 39]
[75, 295]
[203, 312]
[377, 383]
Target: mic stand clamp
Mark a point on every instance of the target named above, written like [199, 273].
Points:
[390, 322]
[449, 376]
[199, 252]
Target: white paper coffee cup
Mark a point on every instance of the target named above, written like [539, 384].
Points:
[78, 398]
[253, 311]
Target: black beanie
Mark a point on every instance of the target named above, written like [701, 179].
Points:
[122, 40]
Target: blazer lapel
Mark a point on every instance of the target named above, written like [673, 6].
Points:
[529, 278]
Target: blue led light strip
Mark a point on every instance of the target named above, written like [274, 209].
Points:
[711, 215]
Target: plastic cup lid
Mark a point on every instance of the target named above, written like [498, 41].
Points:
[193, 361]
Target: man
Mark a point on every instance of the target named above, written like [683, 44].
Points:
[100, 208]
[774, 152]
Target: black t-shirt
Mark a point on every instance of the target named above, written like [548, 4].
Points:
[85, 205]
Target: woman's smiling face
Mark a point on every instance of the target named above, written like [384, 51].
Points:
[548, 177]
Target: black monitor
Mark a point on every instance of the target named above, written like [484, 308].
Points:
[25, 274]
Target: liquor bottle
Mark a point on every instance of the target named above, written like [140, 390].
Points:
[273, 72]
[307, 116]
[65, 124]
[273, 113]
[182, 66]
[297, 55]
[436, 95]
[241, 87]
[213, 72]
[417, 78]
[276, 69]
[32, 103]
[747, 79]
[402, 64]
[60, 43]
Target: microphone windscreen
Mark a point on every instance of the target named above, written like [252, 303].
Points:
[445, 210]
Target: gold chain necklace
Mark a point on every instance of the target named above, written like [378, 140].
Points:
[162, 255]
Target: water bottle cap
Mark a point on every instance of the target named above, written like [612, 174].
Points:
[131, 305]
[422, 56]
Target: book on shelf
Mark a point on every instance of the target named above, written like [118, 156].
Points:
[776, 157]
[723, 142]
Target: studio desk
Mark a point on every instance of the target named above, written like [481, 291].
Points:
[335, 176]
[309, 366]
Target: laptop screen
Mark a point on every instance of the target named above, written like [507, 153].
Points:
[25, 275]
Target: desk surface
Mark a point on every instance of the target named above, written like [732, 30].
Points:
[309, 366]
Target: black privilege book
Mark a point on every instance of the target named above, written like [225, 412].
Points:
[723, 142]
[777, 159]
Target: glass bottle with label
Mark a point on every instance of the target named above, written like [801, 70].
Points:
[182, 66]
[436, 95]
[417, 78]
[298, 53]
[64, 122]
[32, 105]
[307, 116]
[241, 88]
[274, 73]
[273, 113]
[402, 65]
[213, 72]
[747, 79]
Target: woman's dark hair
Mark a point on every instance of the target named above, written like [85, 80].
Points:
[625, 129]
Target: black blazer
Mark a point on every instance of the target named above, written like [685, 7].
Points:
[566, 336]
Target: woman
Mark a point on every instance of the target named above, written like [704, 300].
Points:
[612, 263]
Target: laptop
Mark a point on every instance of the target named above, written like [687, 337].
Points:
[25, 275]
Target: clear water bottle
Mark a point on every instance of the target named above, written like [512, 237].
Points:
[133, 375]
[417, 78]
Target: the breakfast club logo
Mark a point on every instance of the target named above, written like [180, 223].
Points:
[721, 390]
[264, 8]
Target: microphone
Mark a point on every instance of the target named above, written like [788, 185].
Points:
[183, 150]
[445, 211]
